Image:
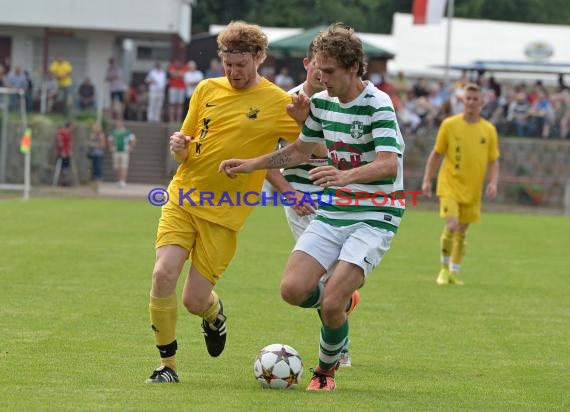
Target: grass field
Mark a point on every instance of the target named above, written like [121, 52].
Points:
[75, 335]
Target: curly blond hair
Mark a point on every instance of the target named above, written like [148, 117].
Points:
[339, 42]
[242, 37]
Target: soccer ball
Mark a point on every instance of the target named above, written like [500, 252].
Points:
[278, 366]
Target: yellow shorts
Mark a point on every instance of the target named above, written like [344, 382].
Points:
[467, 213]
[211, 247]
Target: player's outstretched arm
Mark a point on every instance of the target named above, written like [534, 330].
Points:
[292, 155]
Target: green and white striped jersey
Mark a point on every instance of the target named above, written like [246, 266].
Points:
[298, 176]
[354, 133]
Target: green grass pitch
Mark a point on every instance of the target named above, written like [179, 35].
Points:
[74, 330]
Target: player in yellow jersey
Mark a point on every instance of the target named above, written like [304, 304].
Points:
[469, 146]
[241, 113]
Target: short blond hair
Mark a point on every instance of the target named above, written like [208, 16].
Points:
[472, 87]
[242, 37]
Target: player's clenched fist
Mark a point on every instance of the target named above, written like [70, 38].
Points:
[178, 145]
[178, 142]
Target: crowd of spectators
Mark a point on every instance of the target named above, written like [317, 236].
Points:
[523, 110]
[516, 110]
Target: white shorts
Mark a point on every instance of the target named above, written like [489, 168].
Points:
[297, 223]
[358, 244]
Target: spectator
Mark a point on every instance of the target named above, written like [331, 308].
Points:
[191, 79]
[156, 80]
[438, 93]
[492, 110]
[16, 79]
[215, 69]
[95, 152]
[495, 86]
[420, 88]
[137, 103]
[86, 94]
[284, 80]
[142, 102]
[518, 114]
[51, 90]
[117, 88]
[64, 149]
[176, 90]
[561, 104]
[62, 70]
[121, 143]
[541, 114]
[401, 85]
[452, 105]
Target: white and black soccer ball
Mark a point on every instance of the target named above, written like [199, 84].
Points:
[278, 366]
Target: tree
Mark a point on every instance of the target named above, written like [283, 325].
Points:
[373, 16]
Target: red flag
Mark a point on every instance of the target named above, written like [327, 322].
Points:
[428, 11]
[26, 142]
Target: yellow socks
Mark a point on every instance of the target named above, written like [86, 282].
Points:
[457, 251]
[446, 244]
[163, 317]
[211, 313]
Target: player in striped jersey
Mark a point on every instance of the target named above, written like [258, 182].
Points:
[364, 179]
[295, 183]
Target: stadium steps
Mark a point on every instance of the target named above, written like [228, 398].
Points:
[149, 160]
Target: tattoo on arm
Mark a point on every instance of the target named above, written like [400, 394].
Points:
[278, 160]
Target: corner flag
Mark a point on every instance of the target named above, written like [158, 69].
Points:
[26, 142]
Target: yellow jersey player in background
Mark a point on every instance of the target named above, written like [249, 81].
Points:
[239, 114]
[469, 146]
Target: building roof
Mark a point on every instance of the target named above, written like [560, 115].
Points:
[510, 66]
[299, 43]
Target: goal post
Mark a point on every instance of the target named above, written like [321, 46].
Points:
[5, 97]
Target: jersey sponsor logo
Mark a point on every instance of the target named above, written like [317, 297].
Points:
[326, 125]
[483, 140]
[210, 105]
[357, 129]
[252, 113]
[366, 260]
[341, 163]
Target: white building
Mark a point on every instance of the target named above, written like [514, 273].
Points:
[87, 33]
[419, 48]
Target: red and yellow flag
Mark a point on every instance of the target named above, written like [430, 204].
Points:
[26, 142]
